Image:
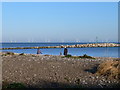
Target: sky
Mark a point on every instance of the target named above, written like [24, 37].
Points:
[0, 23]
[59, 21]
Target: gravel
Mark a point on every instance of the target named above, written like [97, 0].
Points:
[41, 71]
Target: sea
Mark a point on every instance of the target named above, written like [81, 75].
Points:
[91, 51]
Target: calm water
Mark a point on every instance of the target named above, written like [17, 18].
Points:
[94, 51]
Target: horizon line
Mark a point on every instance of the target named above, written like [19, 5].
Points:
[65, 42]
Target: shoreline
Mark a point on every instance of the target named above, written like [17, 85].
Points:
[69, 46]
[30, 54]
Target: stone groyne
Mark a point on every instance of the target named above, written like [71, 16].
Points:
[69, 46]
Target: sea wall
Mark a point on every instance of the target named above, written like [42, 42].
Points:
[69, 46]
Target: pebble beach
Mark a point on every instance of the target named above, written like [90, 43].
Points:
[47, 71]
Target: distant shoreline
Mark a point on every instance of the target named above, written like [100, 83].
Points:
[69, 46]
[59, 42]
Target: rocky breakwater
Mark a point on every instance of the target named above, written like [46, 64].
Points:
[70, 46]
[96, 45]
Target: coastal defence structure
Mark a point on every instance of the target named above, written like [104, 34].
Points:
[69, 46]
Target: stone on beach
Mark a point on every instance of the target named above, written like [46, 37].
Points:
[53, 69]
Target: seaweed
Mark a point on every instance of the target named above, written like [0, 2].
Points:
[84, 56]
[14, 85]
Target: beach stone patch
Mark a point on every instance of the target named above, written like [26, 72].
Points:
[53, 71]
